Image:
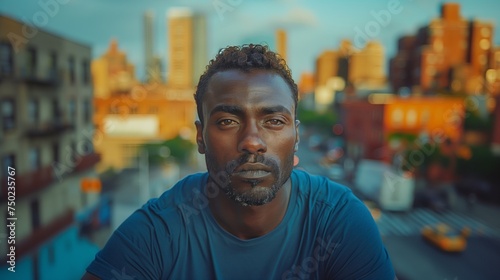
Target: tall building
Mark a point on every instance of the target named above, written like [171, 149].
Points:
[46, 134]
[112, 74]
[326, 67]
[149, 46]
[281, 46]
[367, 66]
[187, 46]
[450, 53]
[361, 68]
[402, 63]
[493, 73]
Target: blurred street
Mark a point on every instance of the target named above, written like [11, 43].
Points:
[412, 256]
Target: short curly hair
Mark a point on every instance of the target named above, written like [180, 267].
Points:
[246, 58]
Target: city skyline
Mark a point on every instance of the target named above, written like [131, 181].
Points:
[312, 27]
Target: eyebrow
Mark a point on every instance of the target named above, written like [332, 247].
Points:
[275, 109]
[231, 109]
[238, 111]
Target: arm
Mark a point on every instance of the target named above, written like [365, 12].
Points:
[132, 252]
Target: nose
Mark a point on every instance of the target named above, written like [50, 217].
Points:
[251, 140]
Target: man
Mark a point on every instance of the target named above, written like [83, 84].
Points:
[251, 216]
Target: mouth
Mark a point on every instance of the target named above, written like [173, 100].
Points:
[252, 174]
[252, 171]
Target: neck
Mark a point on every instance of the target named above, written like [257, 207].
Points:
[247, 222]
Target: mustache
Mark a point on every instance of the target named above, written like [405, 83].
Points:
[251, 158]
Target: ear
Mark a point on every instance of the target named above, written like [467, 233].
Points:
[199, 137]
[297, 137]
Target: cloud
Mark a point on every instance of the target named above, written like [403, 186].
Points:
[296, 17]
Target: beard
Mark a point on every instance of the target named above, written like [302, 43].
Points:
[261, 191]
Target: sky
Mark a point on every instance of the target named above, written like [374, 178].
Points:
[312, 25]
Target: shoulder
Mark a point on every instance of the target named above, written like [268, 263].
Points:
[171, 205]
[144, 242]
[330, 205]
[347, 228]
[321, 190]
[163, 215]
[179, 194]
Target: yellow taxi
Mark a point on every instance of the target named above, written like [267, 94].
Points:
[445, 238]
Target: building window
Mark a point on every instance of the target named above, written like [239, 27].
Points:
[53, 66]
[484, 44]
[8, 114]
[85, 72]
[6, 61]
[72, 74]
[411, 118]
[56, 111]
[33, 111]
[34, 159]
[31, 63]
[87, 111]
[133, 110]
[8, 161]
[485, 32]
[55, 152]
[35, 214]
[73, 151]
[482, 59]
[438, 45]
[153, 110]
[397, 117]
[72, 110]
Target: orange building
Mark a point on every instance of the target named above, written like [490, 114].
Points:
[366, 67]
[450, 53]
[361, 68]
[326, 67]
[281, 45]
[305, 84]
[370, 123]
[112, 73]
[436, 117]
[493, 73]
[132, 114]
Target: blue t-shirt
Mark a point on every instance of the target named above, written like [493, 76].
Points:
[326, 233]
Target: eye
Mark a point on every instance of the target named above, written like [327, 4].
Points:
[275, 122]
[226, 122]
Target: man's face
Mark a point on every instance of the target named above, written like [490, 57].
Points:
[249, 134]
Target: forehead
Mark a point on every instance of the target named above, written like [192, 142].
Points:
[246, 88]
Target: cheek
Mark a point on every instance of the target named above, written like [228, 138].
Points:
[219, 143]
[285, 144]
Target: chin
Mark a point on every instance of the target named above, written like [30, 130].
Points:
[256, 196]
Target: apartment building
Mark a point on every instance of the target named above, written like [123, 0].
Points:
[46, 134]
[450, 53]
